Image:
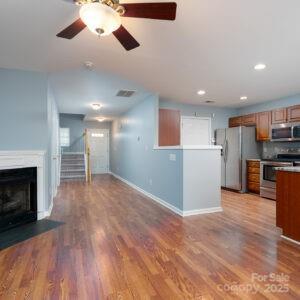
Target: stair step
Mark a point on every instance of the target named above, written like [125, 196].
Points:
[79, 167]
[72, 166]
[78, 163]
[73, 159]
[72, 162]
[72, 170]
[72, 176]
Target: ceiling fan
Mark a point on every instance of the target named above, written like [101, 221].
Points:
[103, 17]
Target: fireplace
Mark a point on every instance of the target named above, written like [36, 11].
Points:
[18, 197]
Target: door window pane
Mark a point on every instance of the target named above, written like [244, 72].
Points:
[65, 137]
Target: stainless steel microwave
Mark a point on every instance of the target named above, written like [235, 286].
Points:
[285, 132]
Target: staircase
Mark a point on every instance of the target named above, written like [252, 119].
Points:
[72, 166]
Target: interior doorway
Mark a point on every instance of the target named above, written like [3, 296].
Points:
[99, 147]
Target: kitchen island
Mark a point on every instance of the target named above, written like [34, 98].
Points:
[288, 202]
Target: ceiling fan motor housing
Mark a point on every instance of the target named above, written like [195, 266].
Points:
[114, 4]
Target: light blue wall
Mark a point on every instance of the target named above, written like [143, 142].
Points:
[221, 115]
[133, 157]
[23, 110]
[77, 126]
[24, 114]
[269, 105]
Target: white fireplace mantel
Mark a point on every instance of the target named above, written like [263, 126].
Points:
[28, 159]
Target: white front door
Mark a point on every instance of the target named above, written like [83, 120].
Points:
[99, 146]
[195, 131]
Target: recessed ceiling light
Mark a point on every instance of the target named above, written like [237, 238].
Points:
[88, 65]
[201, 92]
[260, 67]
[100, 119]
[244, 98]
[96, 106]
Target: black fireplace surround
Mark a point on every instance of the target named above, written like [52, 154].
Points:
[18, 197]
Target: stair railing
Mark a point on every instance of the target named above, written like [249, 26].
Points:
[87, 157]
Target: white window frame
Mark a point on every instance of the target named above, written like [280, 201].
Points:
[60, 136]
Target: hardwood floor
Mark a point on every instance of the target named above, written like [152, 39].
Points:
[116, 244]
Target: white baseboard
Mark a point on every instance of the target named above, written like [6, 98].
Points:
[290, 240]
[167, 205]
[151, 196]
[46, 213]
[49, 211]
[203, 211]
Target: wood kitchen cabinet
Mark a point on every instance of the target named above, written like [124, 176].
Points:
[235, 122]
[264, 120]
[288, 204]
[249, 120]
[169, 127]
[253, 176]
[279, 116]
[293, 113]
[263, 123]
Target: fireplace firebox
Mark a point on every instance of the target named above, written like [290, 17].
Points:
[18, 197]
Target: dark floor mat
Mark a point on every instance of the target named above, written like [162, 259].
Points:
[22, 233]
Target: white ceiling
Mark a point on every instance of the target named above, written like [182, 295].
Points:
[76, 90]
[213, 45]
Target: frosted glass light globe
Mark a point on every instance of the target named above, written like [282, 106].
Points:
[100, 18]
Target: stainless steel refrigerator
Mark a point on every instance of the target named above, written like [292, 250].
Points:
[239, 144]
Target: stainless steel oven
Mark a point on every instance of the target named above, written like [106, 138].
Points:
[268, 177]
[285, 132]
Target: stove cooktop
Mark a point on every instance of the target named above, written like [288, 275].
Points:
[285, 158]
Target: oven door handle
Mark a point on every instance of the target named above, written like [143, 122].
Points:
[277, 164]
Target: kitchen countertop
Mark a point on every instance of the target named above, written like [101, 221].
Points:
[254, 159]
[288, 169]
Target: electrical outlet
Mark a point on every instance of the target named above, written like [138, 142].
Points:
[150, 181]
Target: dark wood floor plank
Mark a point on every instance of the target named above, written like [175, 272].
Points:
[117, 244]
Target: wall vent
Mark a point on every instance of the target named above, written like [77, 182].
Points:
[125, 93]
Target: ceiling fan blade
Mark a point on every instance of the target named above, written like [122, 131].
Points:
[72, 30]
[70, 1]
[159, 11]
[125, 38]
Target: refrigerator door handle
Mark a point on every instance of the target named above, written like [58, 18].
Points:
[223, 153]
[226, 151]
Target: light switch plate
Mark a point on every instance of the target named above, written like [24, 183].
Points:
[172, 157]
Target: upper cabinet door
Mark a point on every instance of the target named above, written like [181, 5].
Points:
[294, 113]
[263, 122]
[169, 127]
[235, 122]
[279, 116]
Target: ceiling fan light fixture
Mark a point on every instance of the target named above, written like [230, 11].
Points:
[100, 18]
[96, 106]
